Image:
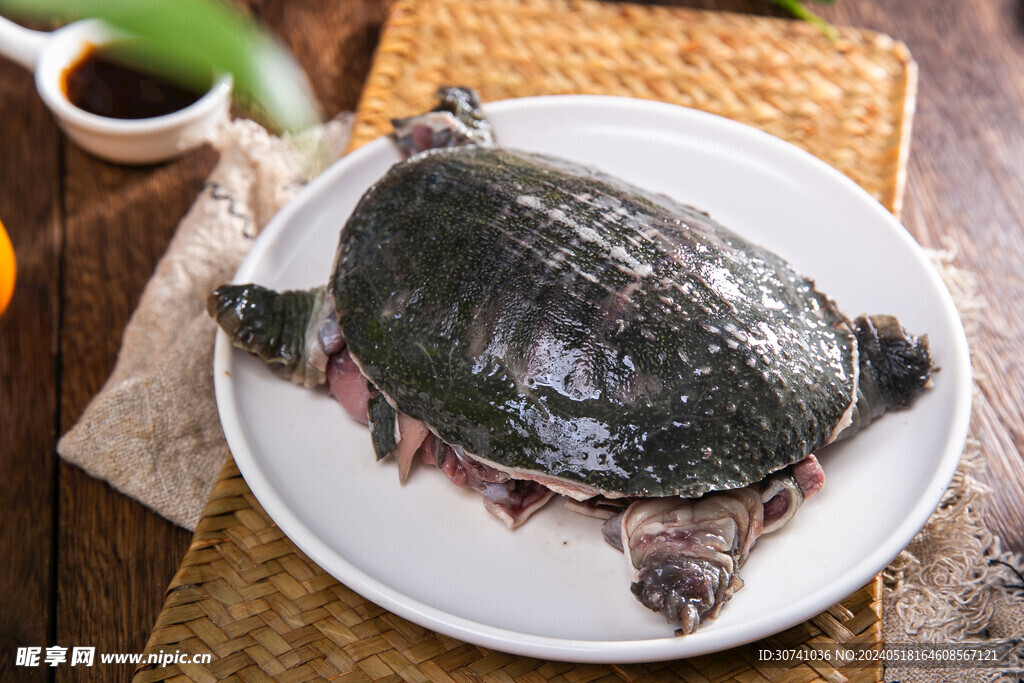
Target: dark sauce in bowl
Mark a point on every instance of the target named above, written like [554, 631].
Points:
[101, 83]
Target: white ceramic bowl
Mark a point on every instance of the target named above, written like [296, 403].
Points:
[126, 141]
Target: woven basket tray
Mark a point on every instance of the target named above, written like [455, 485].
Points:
[245, 594]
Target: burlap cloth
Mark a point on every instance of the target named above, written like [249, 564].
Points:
[152, 431]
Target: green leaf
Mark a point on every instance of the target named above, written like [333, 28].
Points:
[797, 9]
[185, 39]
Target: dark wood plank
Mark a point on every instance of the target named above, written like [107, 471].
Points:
[115, 557]
[115, 560]
[30, 209]
[332, 41]
[965, 184]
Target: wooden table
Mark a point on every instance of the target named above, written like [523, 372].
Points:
[80, 564]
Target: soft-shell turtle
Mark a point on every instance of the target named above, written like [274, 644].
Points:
[531, 326]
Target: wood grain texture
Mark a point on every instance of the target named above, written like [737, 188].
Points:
[111, 559]
[30, 209]
[114, 558]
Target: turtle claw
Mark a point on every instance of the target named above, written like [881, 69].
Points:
[684, 592]
[395, 433]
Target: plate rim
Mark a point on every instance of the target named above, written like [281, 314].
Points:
[566, 649]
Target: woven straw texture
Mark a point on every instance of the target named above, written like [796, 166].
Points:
[245, 594]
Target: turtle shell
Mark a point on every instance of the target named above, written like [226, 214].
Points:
[548, 318]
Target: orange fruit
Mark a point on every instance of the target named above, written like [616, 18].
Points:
[8, 269]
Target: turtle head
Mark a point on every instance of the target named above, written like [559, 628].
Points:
[293, 332]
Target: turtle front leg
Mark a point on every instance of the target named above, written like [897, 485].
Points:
[456, 121]
[294, 332]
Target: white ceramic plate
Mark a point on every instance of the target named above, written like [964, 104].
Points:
[430, 553]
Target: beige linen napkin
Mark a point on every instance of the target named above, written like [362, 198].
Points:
[153, 432]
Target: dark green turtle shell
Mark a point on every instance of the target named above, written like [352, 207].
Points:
[547, 317]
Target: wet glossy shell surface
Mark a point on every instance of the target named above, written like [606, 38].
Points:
[546, 317]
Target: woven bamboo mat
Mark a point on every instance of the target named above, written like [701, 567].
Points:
[245, 594]
[847, 101]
